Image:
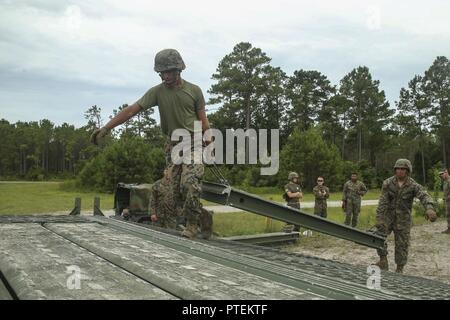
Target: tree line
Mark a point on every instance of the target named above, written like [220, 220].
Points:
[40, 150]
[359, 128]
[325, 129]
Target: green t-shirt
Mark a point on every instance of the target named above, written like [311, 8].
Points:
[177, 106]
[292, 187]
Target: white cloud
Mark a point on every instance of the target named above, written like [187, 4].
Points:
[110, 44]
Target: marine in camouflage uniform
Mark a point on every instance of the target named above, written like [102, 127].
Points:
[293, 194]
[394, 211]
[180, 104]
[321, 194]
[446, 188]
[351, 199]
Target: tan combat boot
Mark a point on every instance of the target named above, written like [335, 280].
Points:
[399, 268]
[383, 263]
[190, 231]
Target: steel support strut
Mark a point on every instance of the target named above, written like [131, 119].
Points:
[227, 195]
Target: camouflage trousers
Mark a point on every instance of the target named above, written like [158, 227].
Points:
[388, 223]
[290, 227]
[352, 211]
[320, 209]
[163, 205]
[186, 185]
[447, 213]
[168, 215]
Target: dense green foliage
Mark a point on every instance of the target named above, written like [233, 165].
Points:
[317, 158]
[127, 160]
[41, 151]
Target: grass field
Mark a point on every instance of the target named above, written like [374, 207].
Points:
[42, 197]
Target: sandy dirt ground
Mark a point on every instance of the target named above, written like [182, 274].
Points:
[429, 252]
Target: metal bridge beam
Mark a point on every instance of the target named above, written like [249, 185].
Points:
[226, 195]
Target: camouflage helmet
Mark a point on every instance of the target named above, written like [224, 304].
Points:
[403, 163]
[292, 175]
[168, 59]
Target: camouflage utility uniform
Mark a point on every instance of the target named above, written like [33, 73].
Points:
[446, 188]
[394, 213]
[169, 215]
[321, 194]
[353, 191]
[292, 202]
[178, 107]
[186, 186]
[163, 206]
[293, 187]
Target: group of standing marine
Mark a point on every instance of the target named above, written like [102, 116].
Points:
[293, 194]
[394, 211]
[351, 198]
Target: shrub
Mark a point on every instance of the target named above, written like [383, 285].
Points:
[129, 160]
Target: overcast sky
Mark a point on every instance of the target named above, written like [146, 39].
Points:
[58, 58]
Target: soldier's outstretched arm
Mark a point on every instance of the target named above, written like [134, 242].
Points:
[120, 118]
[123, 116]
